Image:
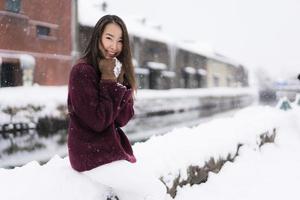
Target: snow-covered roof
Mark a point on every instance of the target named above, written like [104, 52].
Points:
[225, 59]
[190, 70]
[202, 72]
[140, 70]
[156, 65]
[142, 27]
[206, 50]
[168, 74]
[196, 47]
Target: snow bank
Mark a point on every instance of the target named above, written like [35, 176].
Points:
[47, 95]
[174, 152]
[163, 156]
[270, 173]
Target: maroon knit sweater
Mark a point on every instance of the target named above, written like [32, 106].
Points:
[97, 110]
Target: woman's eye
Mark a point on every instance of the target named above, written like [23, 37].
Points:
[120, 41]
[108, 38]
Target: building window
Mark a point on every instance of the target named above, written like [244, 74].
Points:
[228, 81]
[216, 81]
[185, 58]
[42, 30]
[153, 50]
[13, 5]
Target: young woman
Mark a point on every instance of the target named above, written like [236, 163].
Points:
[100, 101]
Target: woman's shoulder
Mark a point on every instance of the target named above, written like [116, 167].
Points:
[81, 66]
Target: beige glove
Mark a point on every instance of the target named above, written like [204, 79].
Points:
[106, 67]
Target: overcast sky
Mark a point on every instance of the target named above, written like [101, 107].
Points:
[257, 33]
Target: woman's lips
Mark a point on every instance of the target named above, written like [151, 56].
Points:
[110, 55]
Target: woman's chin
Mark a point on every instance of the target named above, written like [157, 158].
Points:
[109, 57]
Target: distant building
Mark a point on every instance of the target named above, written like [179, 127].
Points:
[242, 76]
[35, 42]
[191, 69]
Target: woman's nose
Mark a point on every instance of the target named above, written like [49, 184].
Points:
[114, 46]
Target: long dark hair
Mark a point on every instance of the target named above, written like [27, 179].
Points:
[92, 53]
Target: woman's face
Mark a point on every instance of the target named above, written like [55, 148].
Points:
[111, 43]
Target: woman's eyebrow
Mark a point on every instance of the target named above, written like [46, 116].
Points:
[109, 34]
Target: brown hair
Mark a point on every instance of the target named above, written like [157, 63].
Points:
[92, 53]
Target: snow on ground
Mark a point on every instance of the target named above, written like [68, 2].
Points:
[267, 173]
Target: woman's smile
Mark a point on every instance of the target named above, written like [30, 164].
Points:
[110, 54]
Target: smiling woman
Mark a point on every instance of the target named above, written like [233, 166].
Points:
[100, 102]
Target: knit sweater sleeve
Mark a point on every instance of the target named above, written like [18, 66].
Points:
[95, 104]
[126, 110]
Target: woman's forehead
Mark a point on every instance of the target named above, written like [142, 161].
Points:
[113, 29]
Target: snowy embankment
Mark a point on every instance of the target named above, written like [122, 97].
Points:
[27, 104]
[170, 156]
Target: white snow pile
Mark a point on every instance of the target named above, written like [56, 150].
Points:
[269, 172]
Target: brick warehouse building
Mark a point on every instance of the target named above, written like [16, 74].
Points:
[35, 42]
